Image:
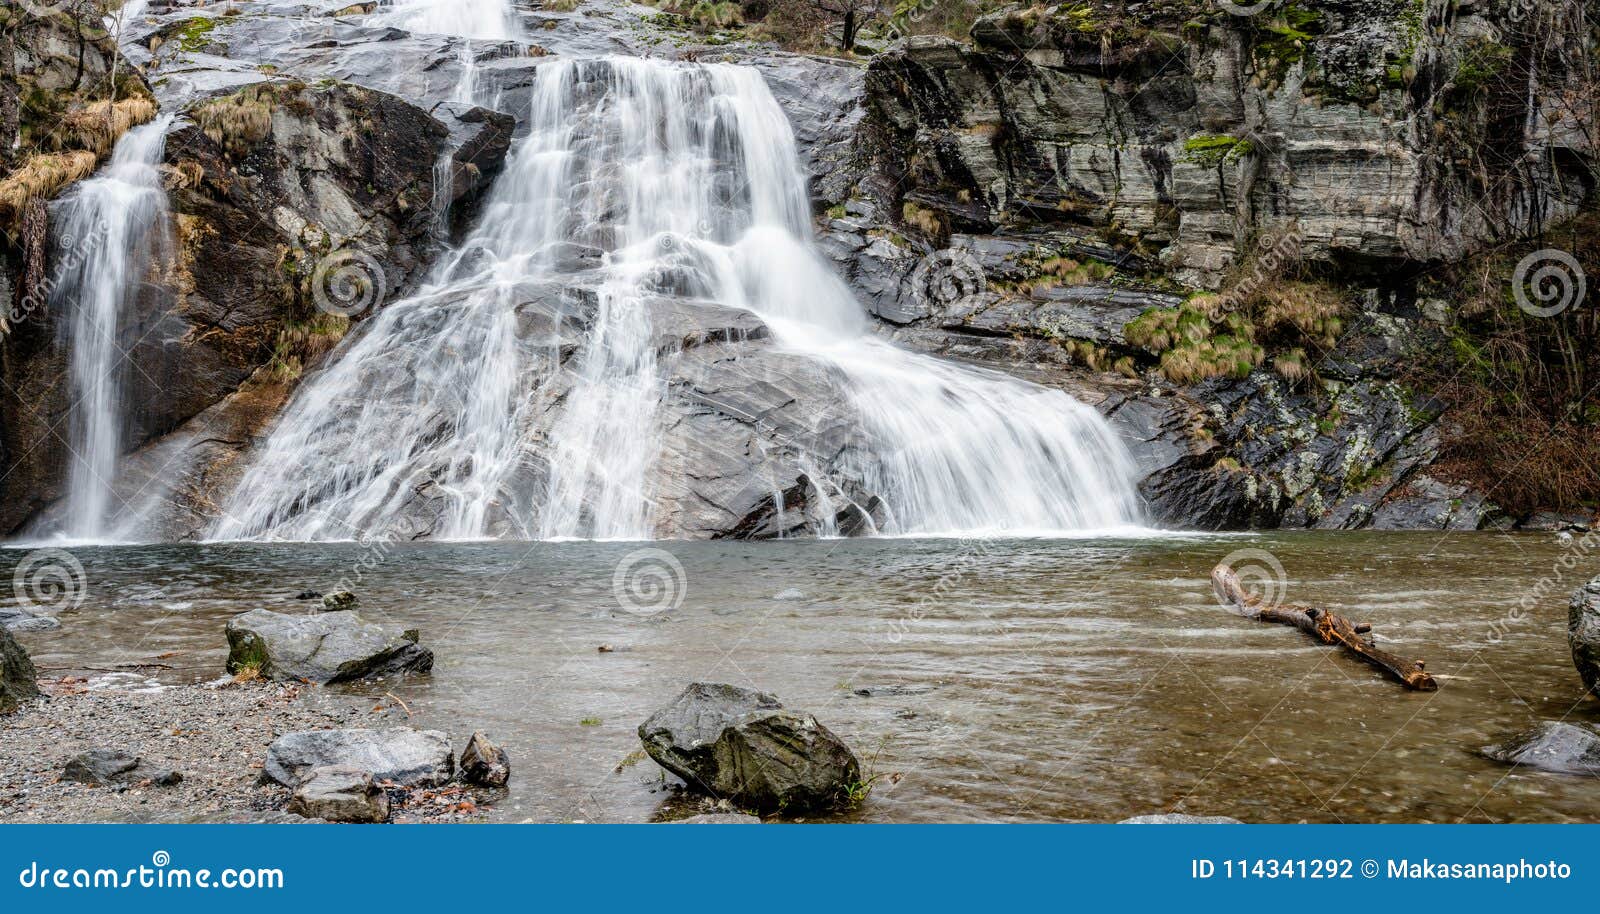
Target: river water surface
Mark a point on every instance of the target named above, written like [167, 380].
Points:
[1042, 680]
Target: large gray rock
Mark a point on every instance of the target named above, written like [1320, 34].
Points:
[114, 768]
[1552, 746]
[1583, 634]
[18, 678]
[744, 746]
[410, 758]
[329, 647]
[340, 793]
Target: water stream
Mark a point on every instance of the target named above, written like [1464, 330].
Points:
[641, 182]
[1028, 680]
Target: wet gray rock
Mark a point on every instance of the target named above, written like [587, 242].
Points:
[1430, 504]
[340, 600]
[409, 758]
[324, 648]
[1552, 746]
[340, 793]
[483, 763]
[744, 746]
[116, 768]
[1583, 634]
[19, 620]
[1176, 818]
[718, 818]
[18, 678]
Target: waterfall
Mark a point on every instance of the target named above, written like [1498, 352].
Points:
[636, 177]
[486, 19]
[108, 227]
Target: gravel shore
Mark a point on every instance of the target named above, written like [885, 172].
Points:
[215, 735]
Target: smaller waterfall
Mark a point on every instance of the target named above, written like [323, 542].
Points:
[489, 20]
[108, 227]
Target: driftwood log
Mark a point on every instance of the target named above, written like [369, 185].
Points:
[1327, 627]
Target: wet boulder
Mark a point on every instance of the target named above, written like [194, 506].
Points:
[1552, 746]
[329, 647]
[483, 763]
[744, 746]
[410, 758]
[1583, 634]
[340, 793]
[18, 678]
[20, 620]
[116, 768]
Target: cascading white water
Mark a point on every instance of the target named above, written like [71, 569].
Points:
[490, 20]
[112, 224]
[684, 176]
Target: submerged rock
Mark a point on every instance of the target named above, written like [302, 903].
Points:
[1552, 746]
[1178, 818]
[1583, 634]
[742, 745]
[330, 647]
[116, 768]
[342, 599]
[19, 620]
[484, 763]
[18, 678]
[410, 758]
[340, 793]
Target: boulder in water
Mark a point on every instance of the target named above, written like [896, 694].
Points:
[19, 620]
[330, 647]
[484, 763]
[1583, 634]
[340, 600]
[116, 768]
[410, 758]
[1552, 746]
[18, 678]
[340, 793]
[744, 746]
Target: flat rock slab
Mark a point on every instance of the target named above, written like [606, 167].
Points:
[409, 758]
[340, 793]
[1552, 746]
[742, 745]
[1178, 818]
[322, 648]
[116, 768]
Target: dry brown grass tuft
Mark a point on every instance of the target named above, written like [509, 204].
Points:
[43, 176]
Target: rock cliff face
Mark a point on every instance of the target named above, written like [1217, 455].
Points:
[1015, 201]
[1021, 199]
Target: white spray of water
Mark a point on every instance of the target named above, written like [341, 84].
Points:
[687, 178]
[110, 225]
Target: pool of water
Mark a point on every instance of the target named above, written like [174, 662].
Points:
[1040, 680]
